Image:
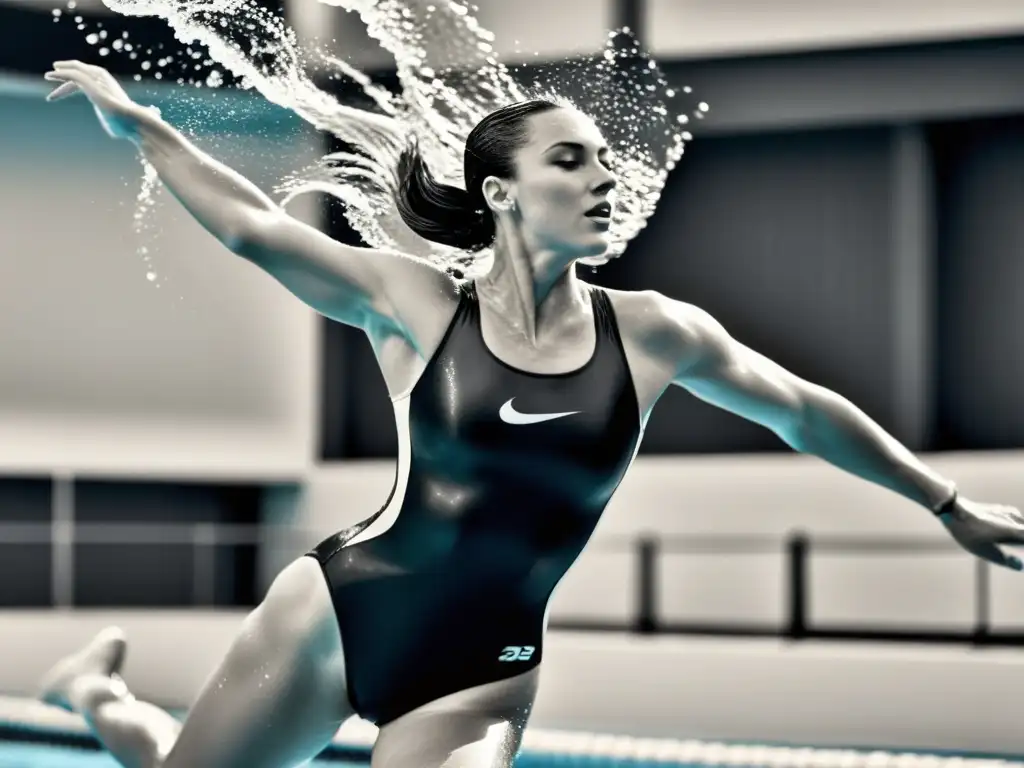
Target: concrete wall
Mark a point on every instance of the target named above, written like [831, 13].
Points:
[694, 28]
[211, 367]
[699, 28]
[691, 27]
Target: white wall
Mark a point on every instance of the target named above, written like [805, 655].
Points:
[694, 28]
[678, 28]
[102, 371]
[525, 30]
[697, 28]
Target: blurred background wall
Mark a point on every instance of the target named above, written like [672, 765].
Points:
[850, 206]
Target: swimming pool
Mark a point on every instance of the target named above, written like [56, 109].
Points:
[14, 755]
[36, 736]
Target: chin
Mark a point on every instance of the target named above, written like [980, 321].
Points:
[588, 247]
[596, 246]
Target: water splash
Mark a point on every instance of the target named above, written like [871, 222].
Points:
[145, 201]
[450, 76]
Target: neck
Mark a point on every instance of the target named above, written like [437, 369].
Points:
[530, 292]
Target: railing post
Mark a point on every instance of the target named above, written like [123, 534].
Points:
[982, 600]
[62, 522]
[204, 565]
[797, 550]
[647, 585]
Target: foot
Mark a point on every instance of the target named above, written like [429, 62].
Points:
[104, 655]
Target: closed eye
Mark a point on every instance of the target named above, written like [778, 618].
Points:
[568, 164]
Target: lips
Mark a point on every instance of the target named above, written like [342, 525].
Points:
[600, 211]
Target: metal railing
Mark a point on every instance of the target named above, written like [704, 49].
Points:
[797, 551]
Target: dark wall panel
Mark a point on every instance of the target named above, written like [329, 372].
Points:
[160, 573]
[358, 420]
[25, 563]
[980, 348]
[786, 239]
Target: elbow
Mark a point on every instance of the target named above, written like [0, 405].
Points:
[792, 424]
[248, 233]
[234, 240]
[815, 418]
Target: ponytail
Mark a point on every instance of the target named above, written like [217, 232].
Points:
[451, 216]
[438, 212]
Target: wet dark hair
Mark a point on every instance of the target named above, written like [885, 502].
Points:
[446, 214]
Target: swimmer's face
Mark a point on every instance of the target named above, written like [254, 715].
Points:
[564, 188]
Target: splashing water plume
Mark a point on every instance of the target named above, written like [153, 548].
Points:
[450, 77]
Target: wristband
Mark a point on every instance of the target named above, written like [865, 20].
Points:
[946, 506]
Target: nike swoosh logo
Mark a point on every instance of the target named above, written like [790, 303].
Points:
[510, 415]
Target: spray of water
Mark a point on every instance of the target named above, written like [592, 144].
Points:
[450, 77]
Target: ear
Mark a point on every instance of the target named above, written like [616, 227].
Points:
[498, 193]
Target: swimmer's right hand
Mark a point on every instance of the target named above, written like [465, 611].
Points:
[119, 115]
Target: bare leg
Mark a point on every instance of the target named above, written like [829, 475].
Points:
[276, 699]
[478, 728]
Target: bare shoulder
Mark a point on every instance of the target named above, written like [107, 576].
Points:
[409, 281]
[421, 298]
[667, 329]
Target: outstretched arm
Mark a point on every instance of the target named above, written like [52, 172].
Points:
[813, 420]
[353, 285]
[809, 418]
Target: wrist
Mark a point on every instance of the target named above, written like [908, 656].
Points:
[145, 123]
[948, 504]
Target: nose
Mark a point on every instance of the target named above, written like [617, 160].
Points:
[606, 185]
[606, 182]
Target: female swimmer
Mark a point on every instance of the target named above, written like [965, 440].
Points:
[521, 399]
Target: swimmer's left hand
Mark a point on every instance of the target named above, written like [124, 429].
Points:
[980, 528]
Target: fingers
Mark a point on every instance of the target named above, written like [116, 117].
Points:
[67, 87]
[72, 80]
[64, 75]
[1010, 561]
[1011, 528]
[73, 65]
[63, 91]
[1011, 536]
[997, 556]
[74, 70]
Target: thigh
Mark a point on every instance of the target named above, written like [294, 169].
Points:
[279, 696]
[477, 728]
